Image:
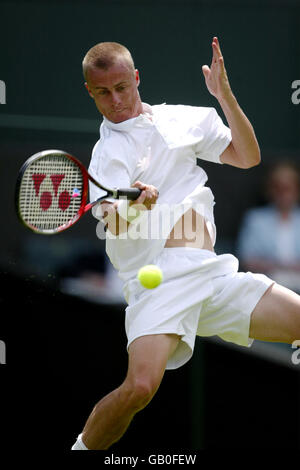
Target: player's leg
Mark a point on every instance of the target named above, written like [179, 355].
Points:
[276, 317]
[148, 356]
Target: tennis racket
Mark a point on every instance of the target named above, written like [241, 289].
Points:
[52, 191]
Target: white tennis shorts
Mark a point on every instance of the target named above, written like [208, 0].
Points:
[201, 294]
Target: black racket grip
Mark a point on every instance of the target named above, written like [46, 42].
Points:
[130, 193]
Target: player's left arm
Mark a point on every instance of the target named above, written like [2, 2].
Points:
[114, 221]
[243, 151]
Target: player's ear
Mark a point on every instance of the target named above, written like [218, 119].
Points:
[137, 77]
[89, 91]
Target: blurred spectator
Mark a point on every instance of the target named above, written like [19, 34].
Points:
[269, 238]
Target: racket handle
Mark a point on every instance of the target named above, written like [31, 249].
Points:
[129, 193]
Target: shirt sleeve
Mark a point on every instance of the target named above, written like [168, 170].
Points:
[216, 137]
[111, 166]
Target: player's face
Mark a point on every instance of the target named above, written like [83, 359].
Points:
[115, 92]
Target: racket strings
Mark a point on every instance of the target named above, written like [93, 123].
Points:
[50, 192]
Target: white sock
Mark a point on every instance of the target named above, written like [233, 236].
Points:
[79, 445]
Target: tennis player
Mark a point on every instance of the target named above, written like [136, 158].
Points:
[155, 148]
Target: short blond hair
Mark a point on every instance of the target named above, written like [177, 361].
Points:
[104, 55]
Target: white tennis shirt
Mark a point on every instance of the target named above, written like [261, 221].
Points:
[160, 149]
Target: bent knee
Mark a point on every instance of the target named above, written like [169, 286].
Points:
[140, 392]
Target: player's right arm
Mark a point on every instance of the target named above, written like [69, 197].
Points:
[243, 151]
[116, 220]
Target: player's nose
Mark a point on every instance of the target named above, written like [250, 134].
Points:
[115, 98]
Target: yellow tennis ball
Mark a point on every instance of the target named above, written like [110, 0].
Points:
[150, 276]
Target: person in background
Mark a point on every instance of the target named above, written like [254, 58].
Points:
[269, 237]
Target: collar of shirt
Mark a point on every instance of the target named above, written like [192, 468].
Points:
[143, 120]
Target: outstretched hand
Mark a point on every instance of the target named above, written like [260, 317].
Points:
[216, 77]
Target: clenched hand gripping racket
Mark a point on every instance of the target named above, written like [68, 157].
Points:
[52, 191]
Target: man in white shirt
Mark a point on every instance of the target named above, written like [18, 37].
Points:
[201, 293]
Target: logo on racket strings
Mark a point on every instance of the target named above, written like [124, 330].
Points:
[46, 197]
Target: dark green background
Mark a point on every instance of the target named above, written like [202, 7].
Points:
[43, 43]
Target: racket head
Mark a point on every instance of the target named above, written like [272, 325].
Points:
[51, 191]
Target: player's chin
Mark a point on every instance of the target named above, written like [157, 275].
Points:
[120, 116]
